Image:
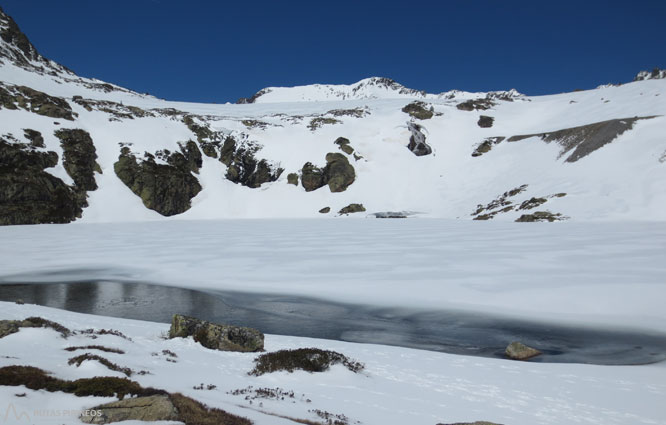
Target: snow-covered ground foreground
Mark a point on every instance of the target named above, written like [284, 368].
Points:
[398, 385]
[584, 273]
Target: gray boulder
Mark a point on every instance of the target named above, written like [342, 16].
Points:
[217, 336]
[520, 351]
[153, 408]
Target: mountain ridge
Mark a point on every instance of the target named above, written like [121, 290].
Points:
[374, 148]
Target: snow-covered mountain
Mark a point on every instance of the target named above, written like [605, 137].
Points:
[74, 148]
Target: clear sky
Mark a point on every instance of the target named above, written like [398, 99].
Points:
[218, 51]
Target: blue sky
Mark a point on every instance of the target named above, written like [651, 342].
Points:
[218, 51]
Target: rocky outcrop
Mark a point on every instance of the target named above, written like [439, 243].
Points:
[216, 336]
[292, 178]
[79, 158]
[417, 141]
[165, 188]
[118, 111]
[540, 216]
[501, 204]
[35, 137]
[487, 145]
[30, 195]
[585, 139]
[485, 121]
[519, 351]
[338, 174]
[209, 140]
[152, 408]
[325, 210]
[419, 110]
[580, 141]
[351, 209]
[162, 406]
[655, 74]
[22, 97]
[476, 104]
[343, 144]
[242, 165]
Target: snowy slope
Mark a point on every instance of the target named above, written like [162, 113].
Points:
[398, 385]
[618, 181]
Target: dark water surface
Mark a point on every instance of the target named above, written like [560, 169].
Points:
[445, 331]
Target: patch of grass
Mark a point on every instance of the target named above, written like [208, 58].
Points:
[95, 347]
[307, 359]
[93, 333]
[112, 366]
[105, 386]
[40, 322]
[192, 412]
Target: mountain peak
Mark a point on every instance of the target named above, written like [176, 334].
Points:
[16, 48]
[367, 88]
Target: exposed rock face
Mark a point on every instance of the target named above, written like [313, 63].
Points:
[476, 104]
[585, 139]
[419, 110]
[216, 336]
[209, 140]
[499, 205]
[485, 121]
[243, 167]
[540, 216]
[292, 178]
[473, 423]
[519, 351]
[417, 141]
[651, 75]
[28, 194]
[487, 145]
[167, 189]
[35, 137]
[312, 177]
[343, 144]
[15, 97]
[338, 174]
[118, 111]
[10, 33]
[79, 157]
[152, 408]
[352, 208]
[325, 210]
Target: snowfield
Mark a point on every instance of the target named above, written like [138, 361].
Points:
[398, 385]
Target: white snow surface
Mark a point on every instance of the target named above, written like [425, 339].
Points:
[397, 386]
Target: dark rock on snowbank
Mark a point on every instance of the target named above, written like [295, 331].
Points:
[243, 167]
[216, 336]
[338, 174]
[22, 97]
[165, 188]
[419, 110]
[485, 121]
[28, 194]
[352, 208]
[417, 141]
